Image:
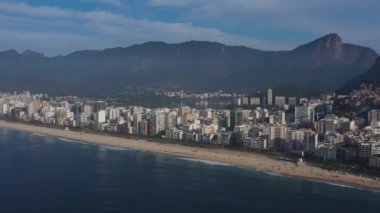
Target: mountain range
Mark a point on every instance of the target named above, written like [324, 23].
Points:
[324, 64]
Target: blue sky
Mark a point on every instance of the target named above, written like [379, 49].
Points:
[58, 27]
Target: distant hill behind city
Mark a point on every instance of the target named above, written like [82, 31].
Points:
[372, 76]
[324, 64]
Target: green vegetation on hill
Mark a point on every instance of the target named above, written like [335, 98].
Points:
[372, 76]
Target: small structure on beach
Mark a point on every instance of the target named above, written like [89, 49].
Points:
[299, 161]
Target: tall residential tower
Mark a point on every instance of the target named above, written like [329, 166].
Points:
[270, 96]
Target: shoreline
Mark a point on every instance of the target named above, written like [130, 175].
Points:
[231, 157]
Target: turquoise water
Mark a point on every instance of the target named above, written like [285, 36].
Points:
[47, 174]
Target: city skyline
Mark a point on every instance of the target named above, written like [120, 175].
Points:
[290, 125]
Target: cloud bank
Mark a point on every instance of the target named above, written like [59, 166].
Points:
[262, 24]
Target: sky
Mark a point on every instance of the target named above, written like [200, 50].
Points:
[59, 27]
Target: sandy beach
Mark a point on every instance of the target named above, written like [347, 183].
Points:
[242, 159]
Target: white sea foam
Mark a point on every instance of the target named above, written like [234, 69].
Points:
[114, 148]
[68, 140]
[72, 141]
[209, 162]
[340, 185]
[38, 134]
[270, 173]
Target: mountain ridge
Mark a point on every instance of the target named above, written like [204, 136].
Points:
[323, 64]
[327, 37]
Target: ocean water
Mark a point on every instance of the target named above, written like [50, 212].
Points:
[46, 174]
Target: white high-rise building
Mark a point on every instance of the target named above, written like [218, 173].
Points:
[302, 114]
[157, 122]
[245, 101]
[303, 100]
[270, 96]
[113, 113]
[310, 142]
[87, 108]
[170, 120]
[292, 101]
[373, 116]
[33, 107]
[5, 109]
[277, 136]
[137, 118]
[101, 116]
[254, 100]
[279, 100]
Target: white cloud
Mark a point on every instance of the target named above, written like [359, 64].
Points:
[356, 21]
[59, 31]
[116, 3]
[53, 30]
[25, 9]
[51, 43]
[170, 2]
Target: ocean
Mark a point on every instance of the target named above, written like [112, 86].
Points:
[45, 174]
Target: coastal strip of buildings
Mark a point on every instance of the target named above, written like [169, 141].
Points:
[312, 127]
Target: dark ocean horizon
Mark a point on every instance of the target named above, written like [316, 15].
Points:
[47, 174]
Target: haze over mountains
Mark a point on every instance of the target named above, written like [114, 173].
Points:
[324, 64]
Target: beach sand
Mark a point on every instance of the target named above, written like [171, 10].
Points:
[236, 158]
